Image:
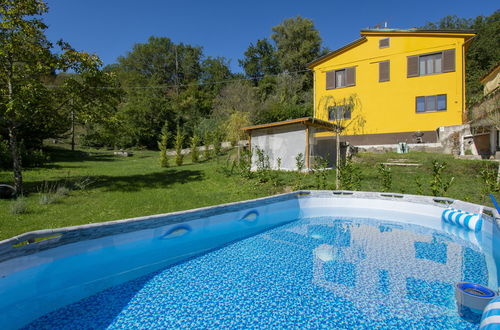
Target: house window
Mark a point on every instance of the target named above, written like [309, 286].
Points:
[340, 112]
[430, 64]
[341, 78]
[426, 64]
[384, 73]
[431, 103]
[383, 43]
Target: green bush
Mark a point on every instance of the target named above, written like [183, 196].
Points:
[263, 166]
[217, 142]
[439, 185]
[489, 178]
[162, 145]
[195, 153]
[299, 177]
[207, 140]
[385, 176]
[320, 173]
[349, 175]
[179, 140]
[245, 164]
[30, 157]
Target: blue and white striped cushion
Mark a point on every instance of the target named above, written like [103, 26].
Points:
[491, 316]
[463, 219]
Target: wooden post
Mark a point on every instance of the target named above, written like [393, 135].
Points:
[307, 147]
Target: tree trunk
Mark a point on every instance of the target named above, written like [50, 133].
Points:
[13, 138]
[72, 130]
[337, 162]
[16, 157]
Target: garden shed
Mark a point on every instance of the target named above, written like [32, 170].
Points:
[283, 141]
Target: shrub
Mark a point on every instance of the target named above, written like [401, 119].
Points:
[5, 156]
[263, 165]
[179, 140]
[207, 140]
[195, 153]
[30, 157]
[385, 176]
[217, 142]
[226, 167]
[320, 172]
[349, 175]
[245, 164]
[439, 186]
[489, 178]
[300, 164]
[420, 186]
[162, 145]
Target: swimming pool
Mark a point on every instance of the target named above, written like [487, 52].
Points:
[305, 259]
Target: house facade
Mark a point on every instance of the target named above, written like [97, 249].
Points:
[281, 145]
[407, 84]
[485, 121]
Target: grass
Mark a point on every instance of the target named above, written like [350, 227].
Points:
[106, 187]
[95, 186]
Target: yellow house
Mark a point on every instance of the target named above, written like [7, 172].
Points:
[404, 81]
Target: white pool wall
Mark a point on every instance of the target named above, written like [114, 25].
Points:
[36, 284]
[36, 279]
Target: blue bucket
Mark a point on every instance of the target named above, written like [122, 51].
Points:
[472, 299]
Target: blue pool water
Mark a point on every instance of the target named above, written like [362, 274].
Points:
[313, 272]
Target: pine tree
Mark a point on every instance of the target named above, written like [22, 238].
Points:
[179, 140]
[162, 145]
[195, 154]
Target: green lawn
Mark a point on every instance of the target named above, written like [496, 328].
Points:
[116, 187]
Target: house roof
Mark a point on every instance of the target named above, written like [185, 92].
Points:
[337, 51]
[490, 73]
[308, 121]
[419, 31]
[467, 34]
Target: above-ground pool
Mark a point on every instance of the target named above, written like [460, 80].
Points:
[308, 259]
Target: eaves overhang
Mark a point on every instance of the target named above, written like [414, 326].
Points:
[307, 121]
[336, 52]
[466, 34]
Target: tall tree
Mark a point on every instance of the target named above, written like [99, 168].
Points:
[93, 97]
[160, 79]
[214, 72]
[238, 96]
[26, 58]
[260, 59]
[483, 52]
[160, 61]
[450, 22]
[297, 42]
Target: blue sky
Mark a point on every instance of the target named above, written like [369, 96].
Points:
[110, 28]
